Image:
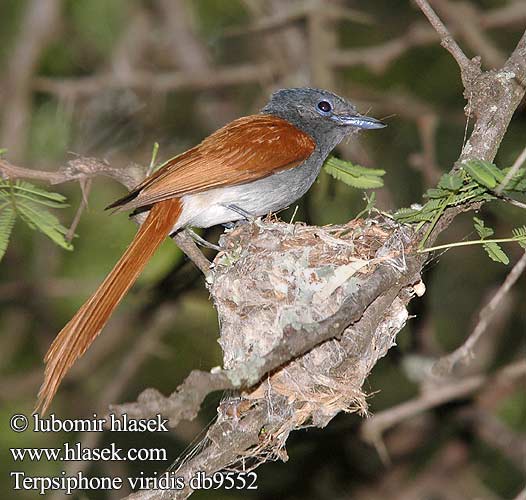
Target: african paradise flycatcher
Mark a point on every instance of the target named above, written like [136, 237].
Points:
[250, 167]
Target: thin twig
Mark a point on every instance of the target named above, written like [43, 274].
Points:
[497, 434]
[513, 170]
[296, 14]
[446, 39]
[75, 170]
[378, 57]
[444, 365]
[511, 201]
[185, 242]
[159, 82]
[10, 171]
[373, 427]
[85, 185]
[464, 17]
[473, 242]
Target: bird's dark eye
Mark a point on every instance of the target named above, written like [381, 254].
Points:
[324, 106]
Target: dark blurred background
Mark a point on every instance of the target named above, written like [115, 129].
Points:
[109, 78]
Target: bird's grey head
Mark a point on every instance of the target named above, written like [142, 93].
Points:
[326, 117]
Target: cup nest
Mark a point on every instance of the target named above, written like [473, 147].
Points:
[271, 275]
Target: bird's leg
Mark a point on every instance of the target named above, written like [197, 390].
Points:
[201, 241]
[246, 215]
[235, 208]
[185, 242]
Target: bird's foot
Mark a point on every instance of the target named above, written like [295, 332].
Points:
[201, 241]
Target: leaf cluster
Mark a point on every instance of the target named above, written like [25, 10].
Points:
[475, 182]
[20, 199]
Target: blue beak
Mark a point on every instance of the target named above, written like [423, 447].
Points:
[358, 121]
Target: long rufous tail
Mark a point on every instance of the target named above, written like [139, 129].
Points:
[83, 328]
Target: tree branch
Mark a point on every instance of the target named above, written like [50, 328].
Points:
[378, 57]
[468, 68]
[80, 168]
[375, 426]
[513, 171]
[446, 364]
[465, 19]
[157, 82]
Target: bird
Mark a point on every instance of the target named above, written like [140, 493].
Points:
[253, 166]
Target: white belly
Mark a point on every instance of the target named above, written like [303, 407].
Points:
[258, 198]
[210, 208]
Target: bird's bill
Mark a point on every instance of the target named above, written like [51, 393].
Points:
[359, 121]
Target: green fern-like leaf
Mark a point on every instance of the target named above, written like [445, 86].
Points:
[493, 249]
[473, 183]
[483, 231]
[22, 189]
[413, 215]
[44, 221]
[7, 222]
[450, 182]
[354, 175]
[28, 201]
[483, 172]
[496, 253]
[356, 169]
[520, 234]
[478, 193]
[436, 193]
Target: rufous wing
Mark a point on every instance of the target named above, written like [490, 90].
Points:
[245, 150]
